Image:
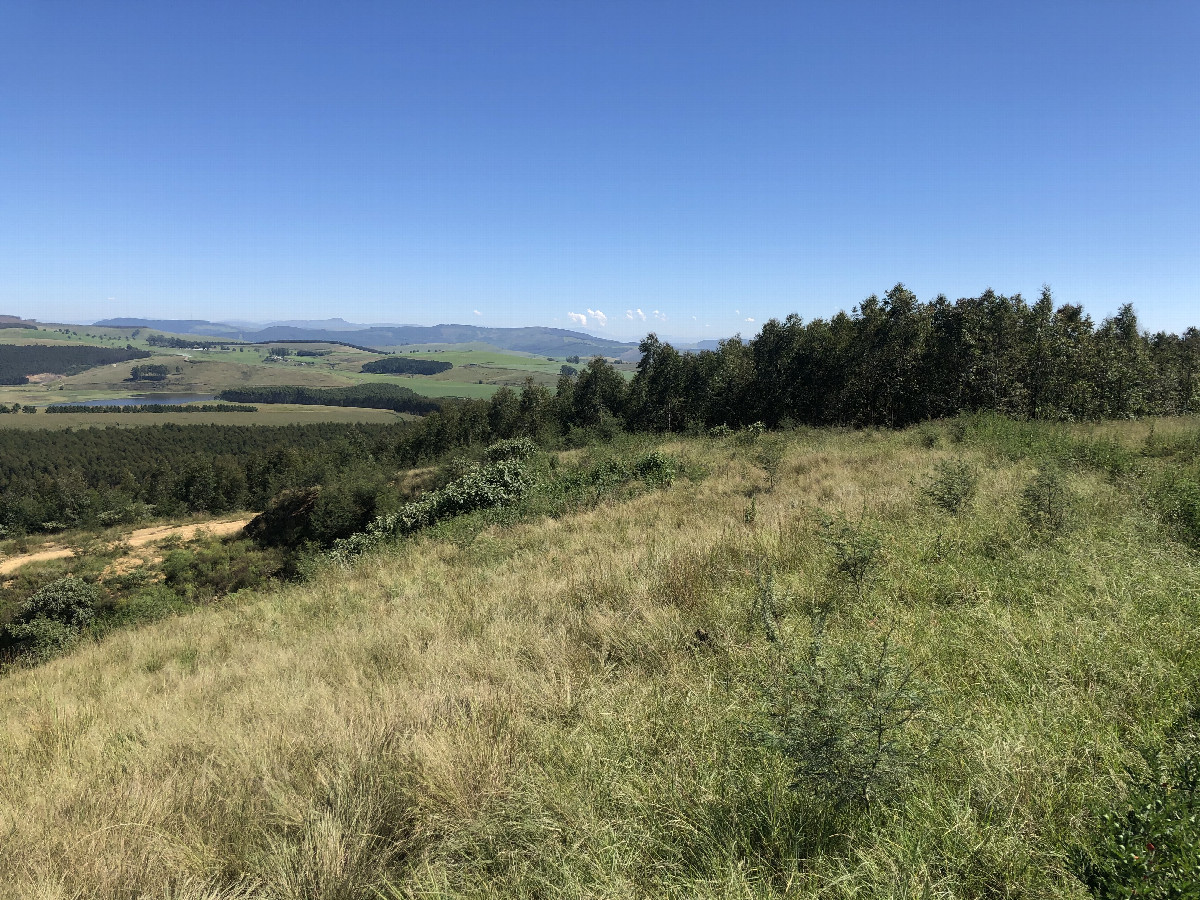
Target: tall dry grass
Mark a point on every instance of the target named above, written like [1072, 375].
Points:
[575, 707]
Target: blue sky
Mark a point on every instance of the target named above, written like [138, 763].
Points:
[516, 163]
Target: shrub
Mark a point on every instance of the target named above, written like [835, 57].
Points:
[928, 435]
[855, 549]
[770, 457]
[656, 468]
[1046, 500]
[520, 448]
[953, 485]
[53, 616]
[1178, 501]
[498, 484]
[1149, 848]
[844, 719]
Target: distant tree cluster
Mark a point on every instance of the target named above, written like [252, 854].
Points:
[19, 361]
[369, 396]
[402, 365]
[152, 408]
[177, 343]
[313, 352]
[149, 372]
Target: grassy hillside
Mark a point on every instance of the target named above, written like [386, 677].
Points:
[832, 663]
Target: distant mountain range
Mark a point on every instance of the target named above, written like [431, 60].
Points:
[555, 342]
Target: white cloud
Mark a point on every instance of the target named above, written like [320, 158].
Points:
[629, 314]
[600, 318]
[751, 321]
[478, 313]
[577, 318]
[660, 316]
[641, 315]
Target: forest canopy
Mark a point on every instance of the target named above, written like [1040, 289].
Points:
[19, 361]
[402, 365]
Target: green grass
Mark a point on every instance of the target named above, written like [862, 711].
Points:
[611, 702]
[591, 703]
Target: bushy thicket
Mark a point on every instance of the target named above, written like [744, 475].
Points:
[52, 617]
[501, 481]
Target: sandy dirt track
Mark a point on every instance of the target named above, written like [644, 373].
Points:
[138, 538]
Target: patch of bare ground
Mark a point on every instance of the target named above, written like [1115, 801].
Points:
[138, 538]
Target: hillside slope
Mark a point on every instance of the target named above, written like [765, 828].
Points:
[616, 703]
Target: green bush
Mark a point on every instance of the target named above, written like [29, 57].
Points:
[844, 718]
[520, 448]
[953, 485]
[1177, 499]
[498, 484]
[855, 549]
[219, 568]
[53, 616]
[1046, 501]
[1151, 846]
[656, 468]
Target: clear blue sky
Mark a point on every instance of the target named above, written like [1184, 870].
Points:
[514, 163]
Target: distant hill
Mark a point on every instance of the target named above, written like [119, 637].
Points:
[174, 326]
[16, 322]
[541, 341]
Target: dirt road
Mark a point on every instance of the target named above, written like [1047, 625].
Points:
[138, 538]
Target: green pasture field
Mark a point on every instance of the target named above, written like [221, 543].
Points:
[479, 370]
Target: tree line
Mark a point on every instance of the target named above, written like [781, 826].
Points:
[97, 476]
[894, 361]
[369, 396]
[152, 408]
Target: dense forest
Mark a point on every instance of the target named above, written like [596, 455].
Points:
[50, 480]
[894, 361]
[370, 396]
[17, 362]
[401, 365]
